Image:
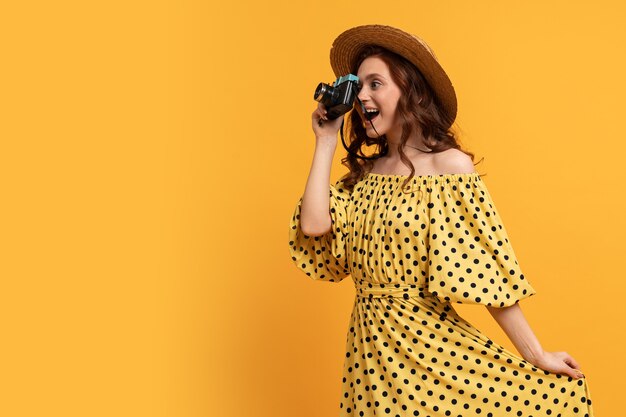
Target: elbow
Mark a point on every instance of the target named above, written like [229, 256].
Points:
[316, 229]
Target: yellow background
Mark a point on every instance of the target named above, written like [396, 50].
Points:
[152, 155]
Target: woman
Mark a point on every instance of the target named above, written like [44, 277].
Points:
[416, 228]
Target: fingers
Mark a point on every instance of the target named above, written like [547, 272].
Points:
[571, 362]
[572, 369]
[320, 113]
[321, 119]
[563, 364]
[575, 373]
[322, 124]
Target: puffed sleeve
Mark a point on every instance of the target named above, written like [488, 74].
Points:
[470, 257]
[323, 257]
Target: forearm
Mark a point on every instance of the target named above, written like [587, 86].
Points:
[315, 217]
[511, 319]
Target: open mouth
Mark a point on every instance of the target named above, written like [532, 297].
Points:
[371, 114]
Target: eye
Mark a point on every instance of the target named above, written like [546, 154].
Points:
[373, 85]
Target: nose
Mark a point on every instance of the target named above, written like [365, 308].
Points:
[363, 94]
[362, 99]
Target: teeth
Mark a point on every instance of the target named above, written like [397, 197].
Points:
[371, 110]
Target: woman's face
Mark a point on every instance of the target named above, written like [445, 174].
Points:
[379, 92]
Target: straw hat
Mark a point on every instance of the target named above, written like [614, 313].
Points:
[347, 46]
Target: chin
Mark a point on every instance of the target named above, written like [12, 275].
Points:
[371, 133]
[369, 130]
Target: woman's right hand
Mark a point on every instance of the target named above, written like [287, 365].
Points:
[328, 127]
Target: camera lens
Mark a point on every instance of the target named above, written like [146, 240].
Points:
[320, 91]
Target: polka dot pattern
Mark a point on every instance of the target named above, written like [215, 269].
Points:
[470, 257]
[411, 256]
[323, 257]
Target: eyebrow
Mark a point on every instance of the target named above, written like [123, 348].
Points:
[367, 77]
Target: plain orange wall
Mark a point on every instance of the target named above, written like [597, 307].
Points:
[153, 153]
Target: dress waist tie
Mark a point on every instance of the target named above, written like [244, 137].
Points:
[372, 290]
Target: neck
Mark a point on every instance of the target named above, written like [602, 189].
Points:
[414, 145]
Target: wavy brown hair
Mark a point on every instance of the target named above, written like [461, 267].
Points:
[420, 116]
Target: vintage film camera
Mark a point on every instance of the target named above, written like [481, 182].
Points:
[338, 98]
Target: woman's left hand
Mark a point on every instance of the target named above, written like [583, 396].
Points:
[558, 362]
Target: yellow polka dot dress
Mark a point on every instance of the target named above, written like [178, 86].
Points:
[412, 253]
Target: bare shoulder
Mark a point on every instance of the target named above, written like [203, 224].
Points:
[454, 161]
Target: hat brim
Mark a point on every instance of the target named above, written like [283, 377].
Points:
[346, 46]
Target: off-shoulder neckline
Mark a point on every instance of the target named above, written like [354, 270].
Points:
[425, 176]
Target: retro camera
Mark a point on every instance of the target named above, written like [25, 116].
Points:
[339, 97]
